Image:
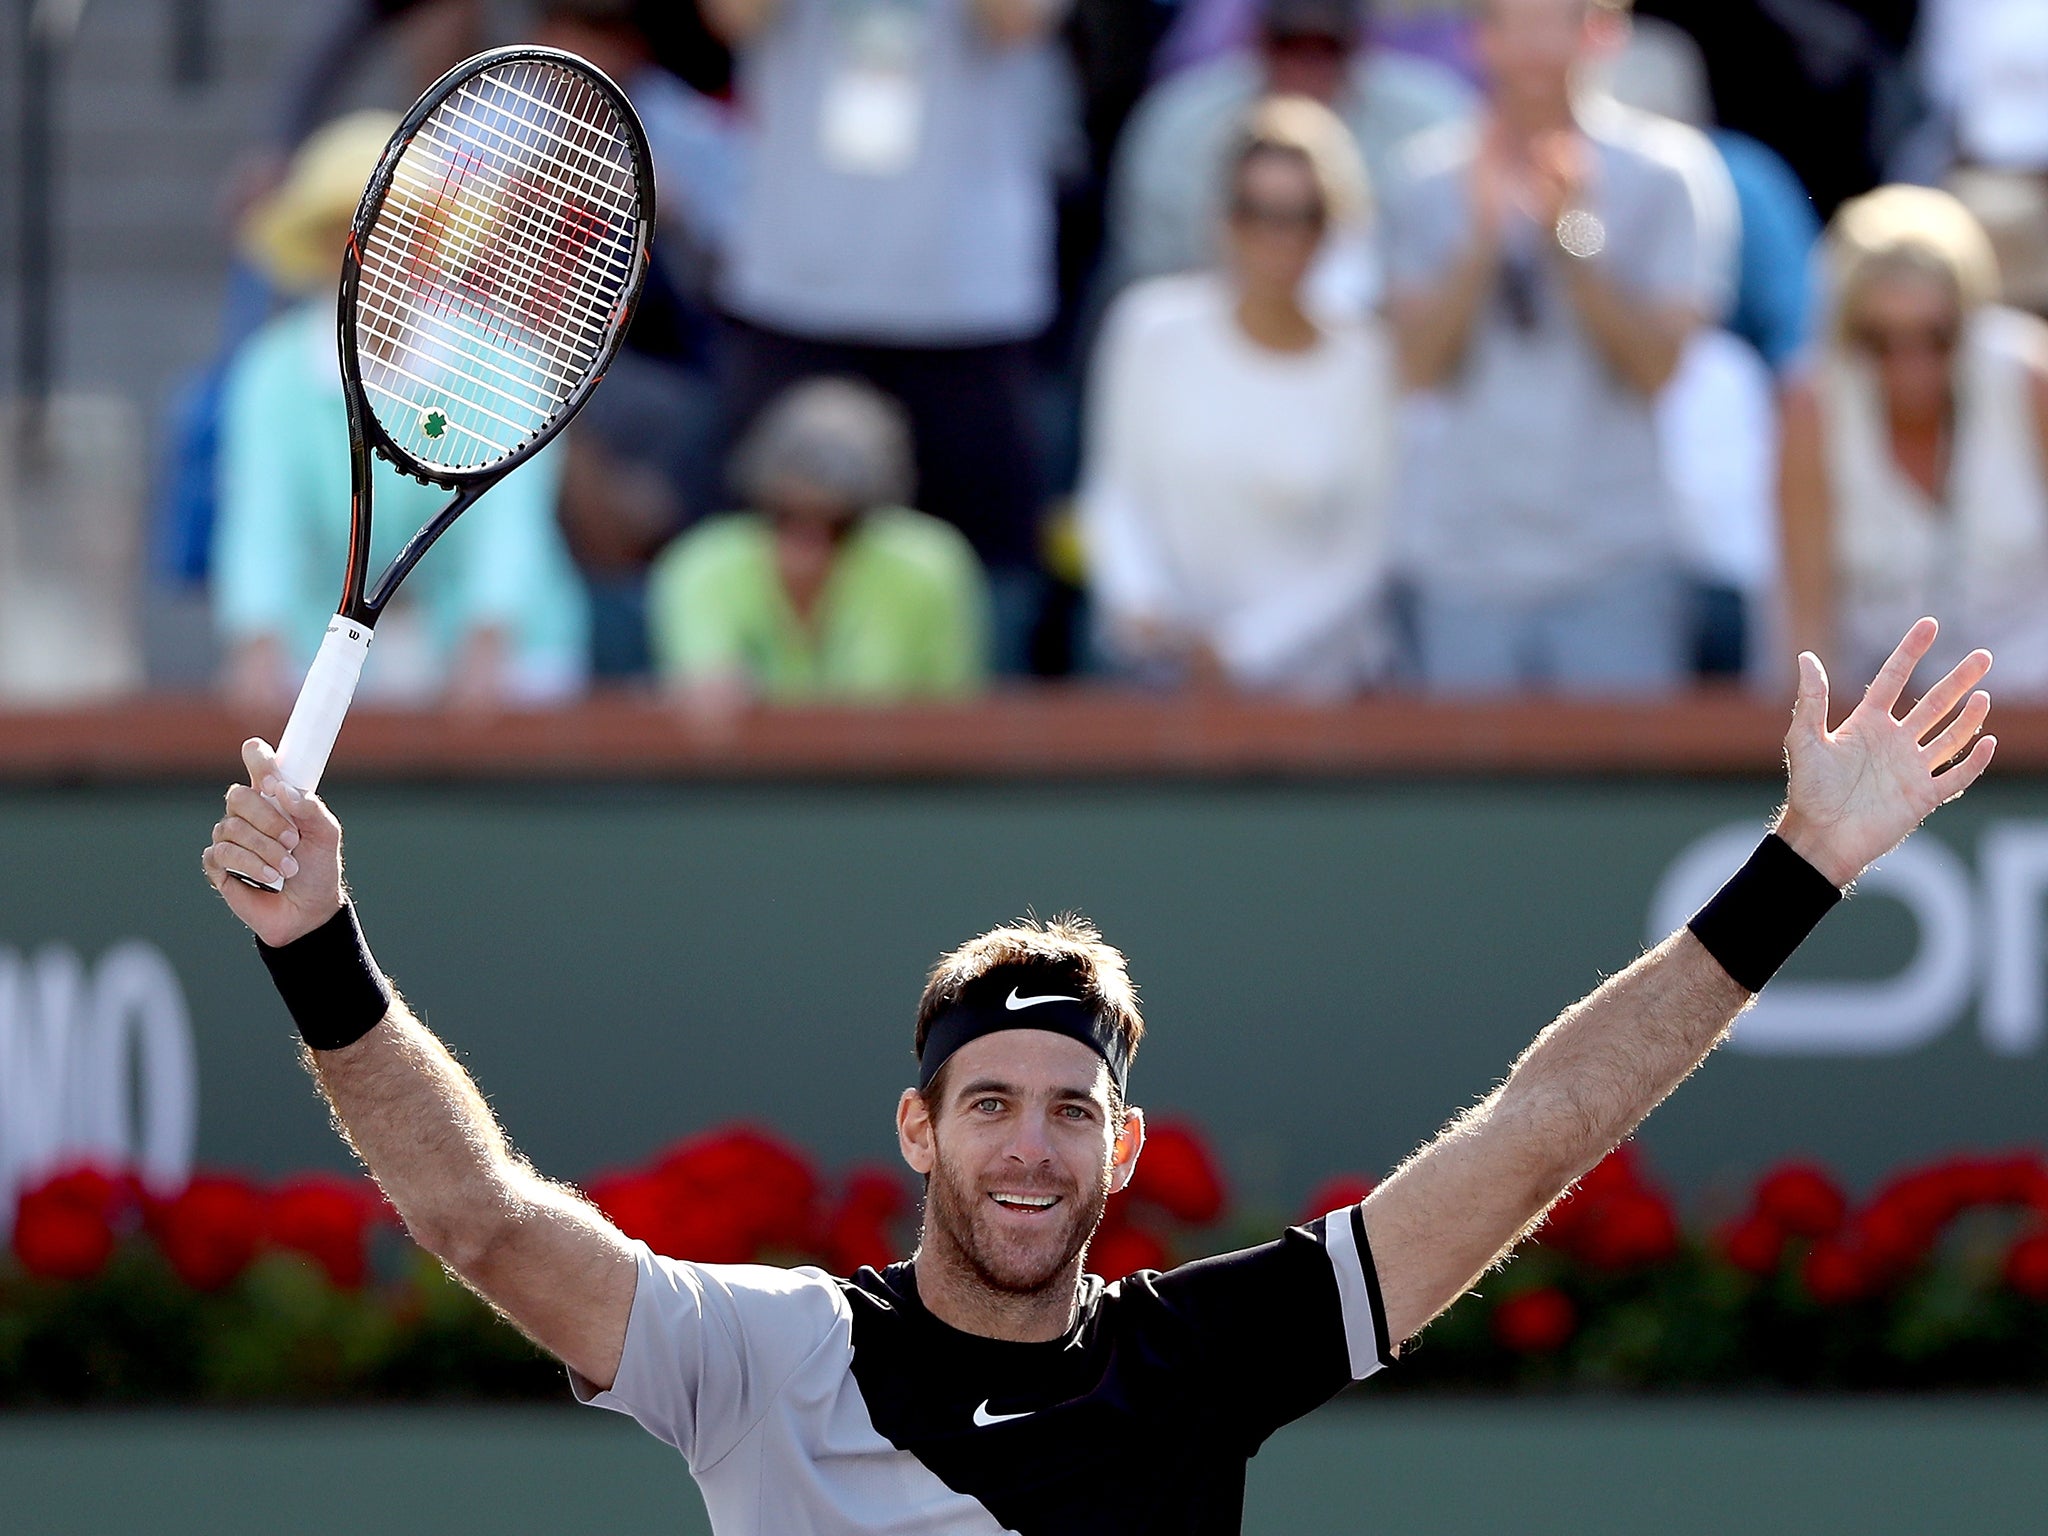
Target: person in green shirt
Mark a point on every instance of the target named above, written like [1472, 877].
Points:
[831, 589]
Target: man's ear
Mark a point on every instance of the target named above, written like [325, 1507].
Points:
[914, 1132]
[1123, 1154]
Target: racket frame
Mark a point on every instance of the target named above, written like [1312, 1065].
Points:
[361, 603]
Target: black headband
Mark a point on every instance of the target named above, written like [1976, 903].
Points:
[1022, 998]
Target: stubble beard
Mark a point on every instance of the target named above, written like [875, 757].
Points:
[958, 1212]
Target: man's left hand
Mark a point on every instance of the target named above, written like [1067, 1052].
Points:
[1856, 791]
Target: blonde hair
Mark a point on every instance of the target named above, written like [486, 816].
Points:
[1903, 230]
[1304, 127]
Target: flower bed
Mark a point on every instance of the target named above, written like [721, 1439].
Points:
[307, 1291]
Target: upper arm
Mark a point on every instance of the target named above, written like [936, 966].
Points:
[1012, 23]
[1451, 1211]
[2037, 395]
[1286, 1325]
[737, 22]
[1803, 499]
[561, 1272]
[710, 1347]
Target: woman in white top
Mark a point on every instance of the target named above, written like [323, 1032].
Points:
[1912, 476]
[1233, 500]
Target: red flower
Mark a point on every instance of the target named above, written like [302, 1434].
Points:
[1836, 1274]
[326, 1218]
[1633, 1230]
[1614, 1219]
[64, 1227]
[1177, 1174]
[1336, 1193]
[1538, 1322]
[1802, 1199]
[210, 1232]
[1754, 1244]
[1120, 1249]
[750, 1188]
[1615, 1174]
[2026, 1266]
[858, 1233]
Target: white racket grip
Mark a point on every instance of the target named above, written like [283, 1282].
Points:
[323, 703]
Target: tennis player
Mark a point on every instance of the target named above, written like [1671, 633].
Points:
[989, 1383]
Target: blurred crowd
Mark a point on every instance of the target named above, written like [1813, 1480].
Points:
[1294, 347]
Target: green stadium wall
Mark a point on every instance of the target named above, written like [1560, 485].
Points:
[1329, 969]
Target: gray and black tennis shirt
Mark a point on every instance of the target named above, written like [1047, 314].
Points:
[813, 1406]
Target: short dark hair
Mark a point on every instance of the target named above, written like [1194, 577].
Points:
[1069, 946]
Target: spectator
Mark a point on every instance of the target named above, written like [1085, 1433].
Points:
[1234, 496]
[641, 456]
[1663, 71]
[830, 588]
[495, 616]
[1167, 186]
[1913, 474]
[1548, 266]
[1985, 66]
[898, 226]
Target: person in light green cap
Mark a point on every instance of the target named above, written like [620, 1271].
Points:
[830, 589]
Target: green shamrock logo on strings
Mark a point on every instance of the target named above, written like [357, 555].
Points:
[434, 423]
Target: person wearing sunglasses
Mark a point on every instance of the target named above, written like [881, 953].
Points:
[1233, 495]
[829, 588]
[1913, 474]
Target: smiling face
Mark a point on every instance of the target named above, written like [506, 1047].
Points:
[1018, 1143]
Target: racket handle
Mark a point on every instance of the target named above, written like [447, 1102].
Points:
[323, 702]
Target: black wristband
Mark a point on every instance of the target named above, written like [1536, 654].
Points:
[1764, 912]
[330, 983]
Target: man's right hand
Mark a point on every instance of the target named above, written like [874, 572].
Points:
[268, 830]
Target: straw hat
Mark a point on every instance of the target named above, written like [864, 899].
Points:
[295, 234]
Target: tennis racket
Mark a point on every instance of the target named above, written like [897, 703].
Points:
[489, 275]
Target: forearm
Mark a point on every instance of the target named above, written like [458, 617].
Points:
[1641, 342]
[1462, 1202]
[1433, 329]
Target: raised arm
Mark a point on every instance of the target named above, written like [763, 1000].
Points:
[1457, 1206]
[535, 1250]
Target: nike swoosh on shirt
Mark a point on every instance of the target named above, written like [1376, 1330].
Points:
[1013, 1002]
[982, 1417]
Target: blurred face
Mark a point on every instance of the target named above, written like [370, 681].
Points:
[1530, 47]
[809, 526]
[1907, 325]
[1021, 1154]
[1276, 222]
[1307, 64]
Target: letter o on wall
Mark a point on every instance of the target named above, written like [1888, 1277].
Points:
[1848, 1018]
[137, 1001]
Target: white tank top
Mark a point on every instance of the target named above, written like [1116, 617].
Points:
[1977, 559]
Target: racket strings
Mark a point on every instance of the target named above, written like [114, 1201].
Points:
[496, 265]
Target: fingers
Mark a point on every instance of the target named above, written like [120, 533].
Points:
[1884, 690]
[1968, 771]
[260, 760]
[1935, 705]
[264, 814]
[1810, 709]
[239, 834]
[1956, 735]
[221, 859]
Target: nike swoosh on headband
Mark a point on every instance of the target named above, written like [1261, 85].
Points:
[982, 1417]
[1013, 1002]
